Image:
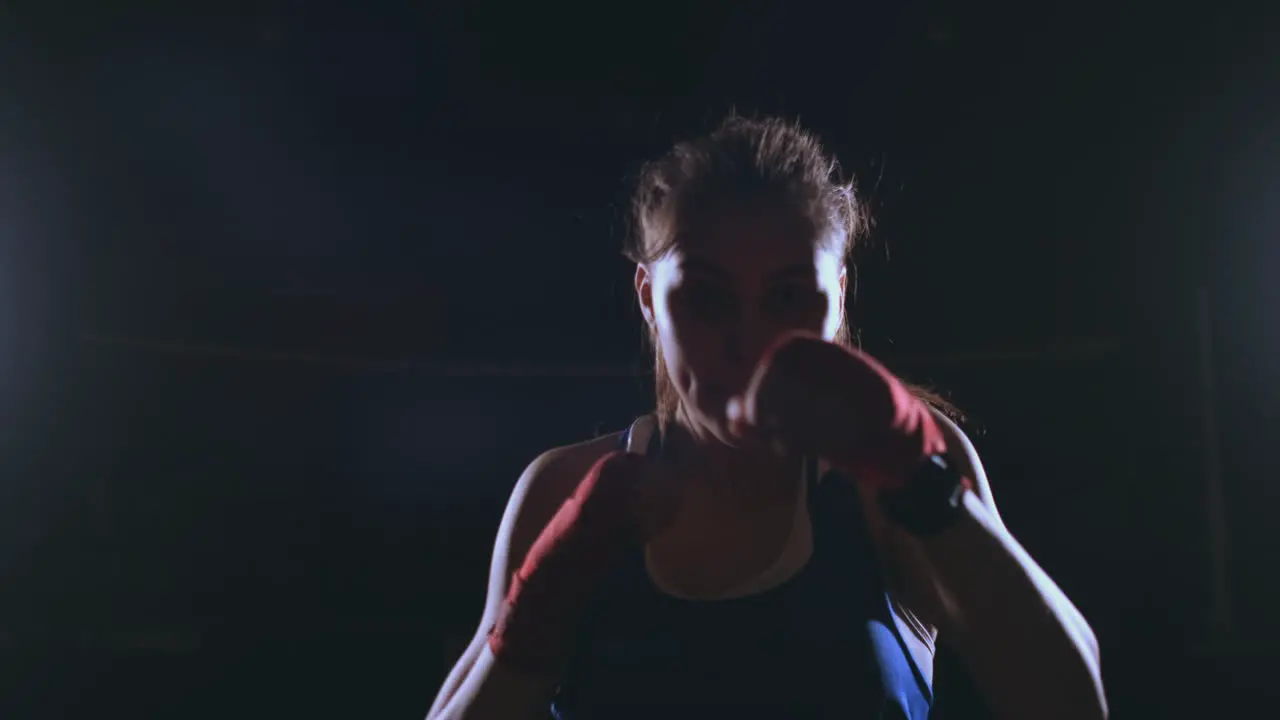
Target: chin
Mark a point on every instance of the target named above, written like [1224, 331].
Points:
[721, 432]
[716, 424]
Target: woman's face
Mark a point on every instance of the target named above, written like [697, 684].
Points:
[732, 284]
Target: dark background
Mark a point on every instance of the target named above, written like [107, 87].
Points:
[289, 294]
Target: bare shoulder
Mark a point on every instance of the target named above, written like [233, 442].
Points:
[545, 485]
[578, 456]
[542, 488]
[970, 463]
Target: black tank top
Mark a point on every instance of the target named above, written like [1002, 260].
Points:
[822, 644]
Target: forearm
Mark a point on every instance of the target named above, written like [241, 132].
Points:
[1029, 649]
[493, 692]
[458, 674]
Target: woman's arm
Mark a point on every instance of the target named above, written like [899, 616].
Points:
[1028, 648]
[475, 685]
[490, 691]
[460, 669]
[478, 687]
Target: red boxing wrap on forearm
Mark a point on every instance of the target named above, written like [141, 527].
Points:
[550, 591]
[882, 431]
[900, 430]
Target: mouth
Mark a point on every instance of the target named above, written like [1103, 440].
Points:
[716, 398]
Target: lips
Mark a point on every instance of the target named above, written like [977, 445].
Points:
[713, 400]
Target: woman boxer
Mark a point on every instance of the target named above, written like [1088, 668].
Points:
[793, 527]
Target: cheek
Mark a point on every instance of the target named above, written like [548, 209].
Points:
[687, 345]
[692, 352]
[831, 281]
[834, 315]
[819, 313]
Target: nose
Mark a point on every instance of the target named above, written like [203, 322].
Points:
[745, 341]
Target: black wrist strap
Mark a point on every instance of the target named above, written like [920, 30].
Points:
[931, 500]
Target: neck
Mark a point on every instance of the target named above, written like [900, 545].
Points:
[746, 470]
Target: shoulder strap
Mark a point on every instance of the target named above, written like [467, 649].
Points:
[641, 436]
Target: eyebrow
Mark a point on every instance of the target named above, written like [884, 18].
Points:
[704, 266]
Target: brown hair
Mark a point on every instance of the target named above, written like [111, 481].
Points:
[746, 158]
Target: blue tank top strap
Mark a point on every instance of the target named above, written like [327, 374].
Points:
[904, 684]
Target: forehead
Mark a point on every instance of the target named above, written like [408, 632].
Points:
[750, 241]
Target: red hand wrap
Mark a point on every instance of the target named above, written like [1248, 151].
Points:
[895, 430]
[901, 429]
[550, 591]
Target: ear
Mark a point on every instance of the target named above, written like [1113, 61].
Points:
[644, 293]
